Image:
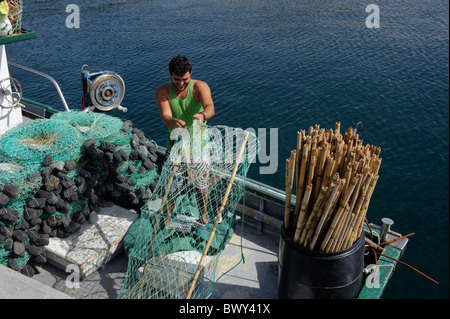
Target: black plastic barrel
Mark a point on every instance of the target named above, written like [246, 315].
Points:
[306, 274]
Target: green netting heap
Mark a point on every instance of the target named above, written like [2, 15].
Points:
[97, 126]
[166, 243]
[16, 173]
[55, 173]
[32, 141]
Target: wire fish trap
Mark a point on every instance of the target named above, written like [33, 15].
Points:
[31, 142]
[174, 246]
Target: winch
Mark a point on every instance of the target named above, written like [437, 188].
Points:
[102, 91]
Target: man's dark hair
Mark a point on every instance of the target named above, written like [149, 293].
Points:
[179, 65]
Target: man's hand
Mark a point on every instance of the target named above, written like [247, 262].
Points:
[174, 123]
[199, 117]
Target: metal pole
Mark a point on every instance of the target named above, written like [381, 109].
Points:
[45, 76]
[385, 228]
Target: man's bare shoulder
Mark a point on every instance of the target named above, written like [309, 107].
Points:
[162, 91]
[163, 88]
[200, 86]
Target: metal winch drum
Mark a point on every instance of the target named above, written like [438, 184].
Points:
[102, 91]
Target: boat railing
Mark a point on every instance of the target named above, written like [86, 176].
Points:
[63, 100]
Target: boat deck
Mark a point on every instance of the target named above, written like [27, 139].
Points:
[254, 279]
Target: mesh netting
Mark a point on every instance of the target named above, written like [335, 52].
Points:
[15, 15]
[32, 141]
[55, 173]
[174, 246]
[12, 172]
[92, 125]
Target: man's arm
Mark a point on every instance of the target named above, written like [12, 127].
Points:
[162, 99]
[203, 95]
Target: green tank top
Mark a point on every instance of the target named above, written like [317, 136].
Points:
[183, 109]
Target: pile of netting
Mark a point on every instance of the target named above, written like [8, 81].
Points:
[15, 10]
[175, 244]
[56, 174]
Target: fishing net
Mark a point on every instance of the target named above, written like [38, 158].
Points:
[15, 15]
[16, 173]
[32, 141]
[174, 247]
[55, 173]
[24, 148]
[92, 125]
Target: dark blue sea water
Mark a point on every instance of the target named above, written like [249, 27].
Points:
[287, 65]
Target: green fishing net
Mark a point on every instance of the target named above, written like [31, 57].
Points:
[55, 172]
[32, 141]
[169, 248]
[92, 125]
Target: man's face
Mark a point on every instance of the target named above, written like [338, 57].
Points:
[181, 82]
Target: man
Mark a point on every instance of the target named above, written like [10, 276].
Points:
[182, 101]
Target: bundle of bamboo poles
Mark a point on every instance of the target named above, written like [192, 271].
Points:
[335, 177]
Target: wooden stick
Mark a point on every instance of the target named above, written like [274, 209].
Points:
[291, 178]
[300, 139]
[325, 214]
[373, 245]
[290, 167]
[337, 157]
[357, 211]
[297, 178]
[339, 215]
[305, 157]
[343, 164]
[347, 177]
[338, 233]
[344, 229]
[365, 206]
[358, 188]
[328, 170]
[337, 128]
[323, 153]
[298, 149]
[317, 204]
[376, 166]
[300, 183]
[312, 166]
[315, 216]
[344, 238]
[287, 204]
[218, 217]
[348, 218]
[303, 212]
